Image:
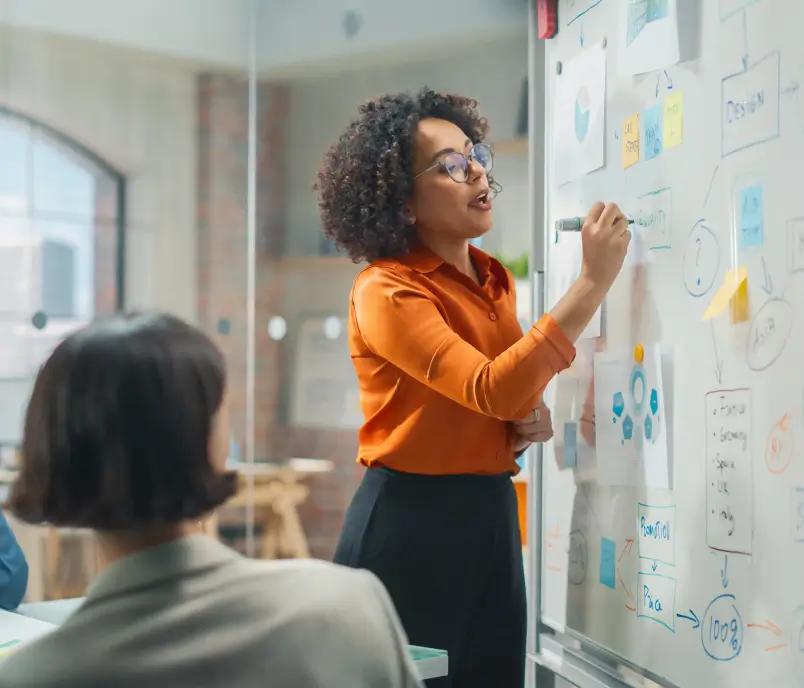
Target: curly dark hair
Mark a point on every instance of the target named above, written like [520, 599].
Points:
[367, 177]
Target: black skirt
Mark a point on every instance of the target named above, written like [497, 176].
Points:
[448, 549]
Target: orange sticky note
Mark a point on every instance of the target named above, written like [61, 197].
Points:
[630, 141]
[734, 291]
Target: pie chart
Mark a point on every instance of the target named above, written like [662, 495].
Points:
[582, 114]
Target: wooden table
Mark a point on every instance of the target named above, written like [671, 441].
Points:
[274, 489]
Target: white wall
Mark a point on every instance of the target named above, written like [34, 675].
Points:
[139, 114]
[210, 31]
[293, 36]
[309, 35]
[321, 107]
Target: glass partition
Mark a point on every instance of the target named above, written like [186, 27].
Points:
[174, 170]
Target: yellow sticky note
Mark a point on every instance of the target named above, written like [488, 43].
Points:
[674, 119]
[739, 303]
[630, 140]
[735, 283]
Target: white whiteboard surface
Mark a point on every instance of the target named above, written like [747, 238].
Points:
[734, 556]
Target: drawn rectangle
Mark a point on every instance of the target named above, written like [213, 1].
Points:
[797, 513]
[797, 638]
[656, 533]
[729, 8]
[652, 214]
[751, 216]
[750, 106]
[656, 599]
[608, 562]
[729, 474]
[795, 245]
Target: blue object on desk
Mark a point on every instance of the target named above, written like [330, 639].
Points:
[429, 663]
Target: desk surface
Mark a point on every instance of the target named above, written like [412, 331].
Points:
[16, 630]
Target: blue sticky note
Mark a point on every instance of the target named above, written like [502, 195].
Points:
[608, 562]
[652, 129]
[752, 216]
[570, 445]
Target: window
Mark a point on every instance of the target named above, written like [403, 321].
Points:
[61, 247]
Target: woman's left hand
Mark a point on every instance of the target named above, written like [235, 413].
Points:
[537, 426]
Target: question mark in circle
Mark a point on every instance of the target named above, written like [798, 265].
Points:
[698, 257]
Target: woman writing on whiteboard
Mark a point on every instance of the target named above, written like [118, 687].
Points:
[450, 387]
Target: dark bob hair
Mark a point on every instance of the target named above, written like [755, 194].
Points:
[367, 175]
[117, 429]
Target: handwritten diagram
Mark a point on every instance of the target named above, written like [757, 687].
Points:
[652, 228]
[768, 333]
[779, 447]
[701, 259]
[656, 599]
[706, 164]
[632, 442]
[722, 629]
[750, 106]
[656, 533]
[729, 476]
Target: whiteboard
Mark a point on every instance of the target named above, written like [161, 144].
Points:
[708, 589]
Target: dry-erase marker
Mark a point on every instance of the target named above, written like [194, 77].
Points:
[574, 224]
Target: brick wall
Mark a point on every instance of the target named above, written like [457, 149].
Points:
[222, 270]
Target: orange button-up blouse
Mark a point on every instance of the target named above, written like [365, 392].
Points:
[443, 365]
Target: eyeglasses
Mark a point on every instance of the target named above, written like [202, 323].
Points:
[456, 165]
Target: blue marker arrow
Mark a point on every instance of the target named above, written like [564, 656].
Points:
[696, 622]
[654, 566]
[724, 572]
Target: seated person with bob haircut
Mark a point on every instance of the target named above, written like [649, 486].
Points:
[127, 433]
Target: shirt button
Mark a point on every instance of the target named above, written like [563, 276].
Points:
[492, 316]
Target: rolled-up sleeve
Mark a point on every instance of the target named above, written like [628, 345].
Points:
[13, 568]
[402, 323]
